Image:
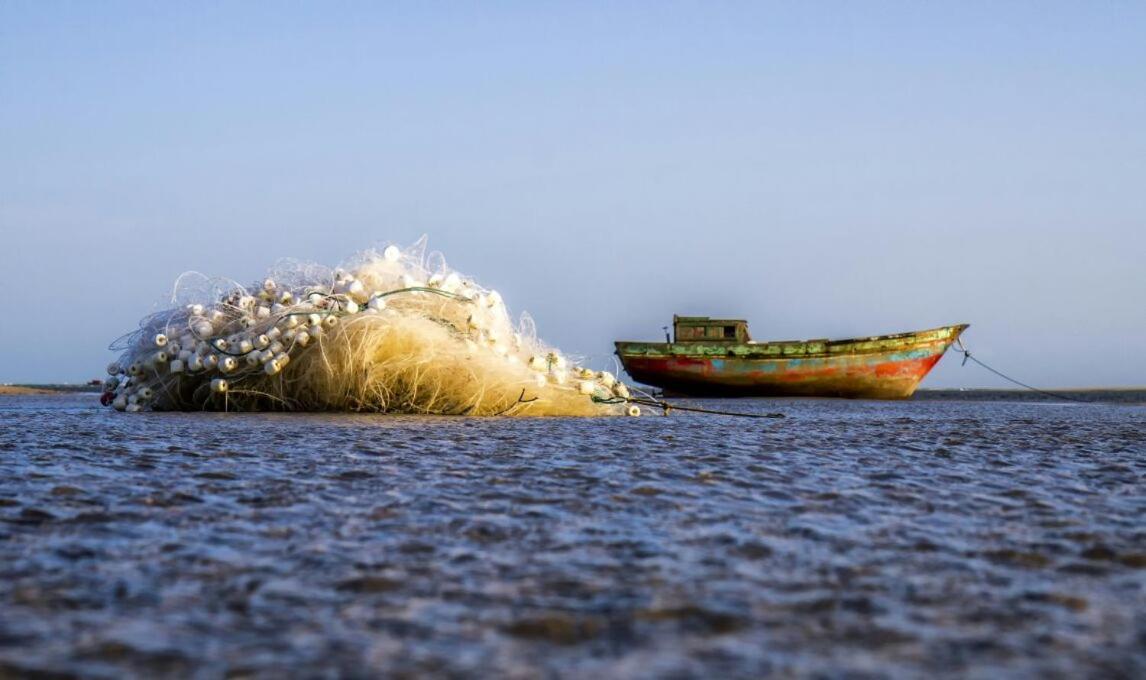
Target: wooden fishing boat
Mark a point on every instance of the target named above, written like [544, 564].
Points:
[717, 358]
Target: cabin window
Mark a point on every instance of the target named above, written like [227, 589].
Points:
[730, 332]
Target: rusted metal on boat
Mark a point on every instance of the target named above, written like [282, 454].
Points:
[717, 358]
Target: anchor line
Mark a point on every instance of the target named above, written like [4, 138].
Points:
[667, 407]
[968, 357]
[657, 403]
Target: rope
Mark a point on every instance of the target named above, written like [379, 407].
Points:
[337, 312]
[669, 407]
[424, 289]
[967, 356]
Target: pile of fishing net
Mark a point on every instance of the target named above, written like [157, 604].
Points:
[394, 331]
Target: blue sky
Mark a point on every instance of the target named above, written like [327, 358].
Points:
[823, 169]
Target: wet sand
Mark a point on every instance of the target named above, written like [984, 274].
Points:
[44, 390]
[24, 391]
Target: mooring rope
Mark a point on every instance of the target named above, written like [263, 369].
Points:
[675, 407]
[667, 407]
[967, 356]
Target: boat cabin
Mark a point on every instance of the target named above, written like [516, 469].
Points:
[704, 329]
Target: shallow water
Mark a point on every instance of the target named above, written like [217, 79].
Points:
[849, 538]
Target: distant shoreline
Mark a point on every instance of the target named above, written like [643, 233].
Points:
[32, 390]
[1108, 395]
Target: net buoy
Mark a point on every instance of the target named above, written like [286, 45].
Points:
[396, 330]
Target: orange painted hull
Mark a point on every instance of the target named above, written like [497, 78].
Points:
[880, 367]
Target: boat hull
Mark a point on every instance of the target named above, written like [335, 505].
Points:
[879, 367]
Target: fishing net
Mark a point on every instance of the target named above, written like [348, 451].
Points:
[390, 331]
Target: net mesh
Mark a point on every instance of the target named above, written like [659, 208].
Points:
[392, 330]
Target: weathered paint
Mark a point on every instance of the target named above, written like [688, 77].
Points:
[879, 367]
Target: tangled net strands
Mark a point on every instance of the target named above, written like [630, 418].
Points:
[390, 332]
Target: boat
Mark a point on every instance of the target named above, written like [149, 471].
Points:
[717, 358]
